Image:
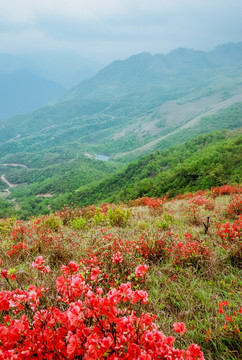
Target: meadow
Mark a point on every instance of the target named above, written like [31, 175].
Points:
[155, 278]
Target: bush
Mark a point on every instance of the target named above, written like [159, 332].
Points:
[118, 216]
[53, 223]
[79, 223]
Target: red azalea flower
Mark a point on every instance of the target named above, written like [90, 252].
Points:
[179, 327]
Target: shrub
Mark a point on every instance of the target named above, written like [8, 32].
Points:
[53, 223]
[99, 218]
[235, 206]
[85, 324]
[79, 223]
[118, 216]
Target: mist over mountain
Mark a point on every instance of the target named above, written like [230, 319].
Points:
[21, 91]
[30, 81]
[129, 109]
[124, 77]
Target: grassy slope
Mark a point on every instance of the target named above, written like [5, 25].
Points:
[187, 290]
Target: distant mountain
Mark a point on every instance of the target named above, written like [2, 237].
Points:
[28, 82]
[129, 109]
[65, 67]
[136, 101]
[143, 71]
[21, 91]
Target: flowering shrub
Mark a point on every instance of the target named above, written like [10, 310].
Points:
[196, 206]
[189, 252]
[235, 206]
[226, 190]
[230, 317]
[153, 203]
[92, 325]
[230, 233]
[39, 264]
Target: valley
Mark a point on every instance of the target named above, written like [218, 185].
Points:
[128, 110]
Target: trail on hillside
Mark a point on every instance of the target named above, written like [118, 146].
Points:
[212, 110]
[15, 165]
[7, 182]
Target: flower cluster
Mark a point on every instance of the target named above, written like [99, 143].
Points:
[92, 325]
[230, 233]
[39, 264]
[117, 258]
[230, 317]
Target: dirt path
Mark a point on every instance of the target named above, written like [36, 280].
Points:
[44, 195]
[212, 110]
[7, 182]
[16, 137]
[15, 165]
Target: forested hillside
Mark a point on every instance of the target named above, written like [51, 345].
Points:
[130, 109]
[208, 160]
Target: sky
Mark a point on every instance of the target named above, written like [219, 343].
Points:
[105, 30]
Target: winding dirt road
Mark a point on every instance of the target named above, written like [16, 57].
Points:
[7, 182]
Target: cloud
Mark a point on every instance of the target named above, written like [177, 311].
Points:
[117, 28]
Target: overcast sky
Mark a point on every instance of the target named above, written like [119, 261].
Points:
[114, 29]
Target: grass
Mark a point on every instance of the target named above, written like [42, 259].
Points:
[183, 287]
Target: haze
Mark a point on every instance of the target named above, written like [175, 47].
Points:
[106, 30]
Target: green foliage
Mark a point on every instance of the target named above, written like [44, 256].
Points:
[53, 222]
[119, 216]
[79, 223]
[165, 223]
[99, 218]
[206, 161]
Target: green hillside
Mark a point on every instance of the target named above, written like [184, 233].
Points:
[207, 160]
[128, 110]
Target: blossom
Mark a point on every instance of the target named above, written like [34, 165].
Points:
[95, 273]
[39, 263]
[194, 353]
[117, 258]
[141, 270]
[179, 327]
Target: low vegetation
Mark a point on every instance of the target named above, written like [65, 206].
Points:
[207, 160]
[154, 278]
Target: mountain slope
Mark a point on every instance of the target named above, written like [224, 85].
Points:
[129, 109]
[22, 91]
[207, 160]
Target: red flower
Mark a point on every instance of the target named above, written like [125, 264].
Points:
[179, 327]
[117, 258]
[141, 270]
[194, 353]
[95, 273]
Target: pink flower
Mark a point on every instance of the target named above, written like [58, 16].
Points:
[179, 327]
[117, 258]
[141, 270]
